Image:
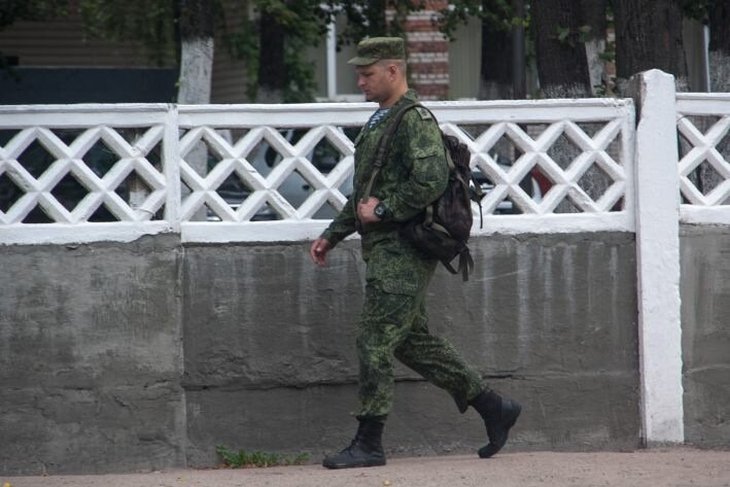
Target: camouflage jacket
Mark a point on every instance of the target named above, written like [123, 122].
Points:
[414, 174]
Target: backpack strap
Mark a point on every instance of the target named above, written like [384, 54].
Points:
[466, 264]
[384, 145]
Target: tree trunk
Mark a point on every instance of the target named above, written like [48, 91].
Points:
[593, 17]
[196, 57]
[649, 35]
[720, 46]
[196, 69]
[561, 56]
[496, 69]
[272, 67]
[562, 68]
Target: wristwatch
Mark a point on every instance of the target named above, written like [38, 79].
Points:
[381, 211]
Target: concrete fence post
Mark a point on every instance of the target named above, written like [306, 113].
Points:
[171, 168]
[657, 244]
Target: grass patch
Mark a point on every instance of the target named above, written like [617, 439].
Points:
[258, 459]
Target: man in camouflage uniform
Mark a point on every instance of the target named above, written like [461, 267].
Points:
[393, 320]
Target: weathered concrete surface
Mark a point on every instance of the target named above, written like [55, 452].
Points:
[90, 358]
[706, 334]
[147, 355]
[551, 320]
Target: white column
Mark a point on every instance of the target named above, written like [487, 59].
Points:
[657, 244]
[171, 168]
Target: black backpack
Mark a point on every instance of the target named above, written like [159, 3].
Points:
[443, 229]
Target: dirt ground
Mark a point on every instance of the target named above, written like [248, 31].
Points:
[655, 467]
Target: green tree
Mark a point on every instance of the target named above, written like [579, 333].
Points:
[272, 44]
[272, 40]
[271, 35]
[14, 10]
[170, 31]
[368, 17]
[152, 24]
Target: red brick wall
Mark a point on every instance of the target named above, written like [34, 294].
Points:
[428, 53]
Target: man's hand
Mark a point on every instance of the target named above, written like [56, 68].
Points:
[365, 210]
[318, 251]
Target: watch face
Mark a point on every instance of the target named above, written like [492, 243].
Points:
[379, 211]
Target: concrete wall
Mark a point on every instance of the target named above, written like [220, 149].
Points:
[120, 357]
[551, 320]
[91, 357]
[705, 334]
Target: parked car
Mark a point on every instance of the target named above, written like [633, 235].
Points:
[295, 189]
[530, 184]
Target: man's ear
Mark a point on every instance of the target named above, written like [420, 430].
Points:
[393, 70]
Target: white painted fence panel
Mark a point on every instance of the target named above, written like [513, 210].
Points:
[703, 126]
[219, 173]
[64, 167]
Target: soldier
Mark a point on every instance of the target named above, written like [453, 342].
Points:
[393, 319]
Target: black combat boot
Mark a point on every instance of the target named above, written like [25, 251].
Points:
[366, 450]
[499, 415]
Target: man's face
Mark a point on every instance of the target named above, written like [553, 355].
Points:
[375, 81]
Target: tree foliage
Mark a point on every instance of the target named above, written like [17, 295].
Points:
[368, 18]
[277, 34]
[150, 23]
[302, 24]
[498, 15]
[14, 10]
[297, 25]
[270, 36]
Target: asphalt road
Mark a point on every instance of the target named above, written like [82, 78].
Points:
[656, 467]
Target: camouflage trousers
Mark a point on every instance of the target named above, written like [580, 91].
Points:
[394, 325]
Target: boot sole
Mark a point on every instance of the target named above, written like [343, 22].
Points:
[339, 466]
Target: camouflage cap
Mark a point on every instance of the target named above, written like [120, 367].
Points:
[374, 49]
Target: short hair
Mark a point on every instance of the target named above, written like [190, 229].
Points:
[400, 63]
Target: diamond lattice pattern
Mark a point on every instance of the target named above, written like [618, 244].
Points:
[96, 174]
[265, 173]
[548, 168]
[704, 170]
[268, 173]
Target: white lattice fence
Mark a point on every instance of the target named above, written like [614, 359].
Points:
[561, 165]
[547, 165]
[270, 173]
[703, 125]
[69, 170]
[280, 172]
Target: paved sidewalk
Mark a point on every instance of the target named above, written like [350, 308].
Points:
[664, 467]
